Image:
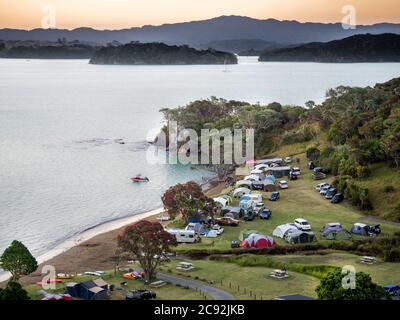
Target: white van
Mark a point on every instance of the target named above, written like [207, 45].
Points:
[184, 236]
[256, 197]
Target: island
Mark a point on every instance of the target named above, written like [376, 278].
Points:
[136, 53]
[358, 48]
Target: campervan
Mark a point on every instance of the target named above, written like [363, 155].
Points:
[184, 236]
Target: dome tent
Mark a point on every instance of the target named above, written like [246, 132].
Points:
[258, 241]
[240, 191]
[300, 237]
[337, 233]
[284, 229]
[243, 235]
[243, 183]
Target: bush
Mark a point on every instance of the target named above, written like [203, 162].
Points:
[313, 153]
[392, 255]
[388, 189]
[13, 291]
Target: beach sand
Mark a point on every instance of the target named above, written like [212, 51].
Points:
[93, 249]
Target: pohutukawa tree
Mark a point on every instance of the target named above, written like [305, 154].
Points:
[188, 200]
[18, 261]
[149, 243]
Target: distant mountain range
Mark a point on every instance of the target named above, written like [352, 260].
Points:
[358, 48]
[198, 33]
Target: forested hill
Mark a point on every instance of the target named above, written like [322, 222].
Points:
[358, 48]
[159, 54]
[354, 135]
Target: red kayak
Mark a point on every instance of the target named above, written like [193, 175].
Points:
[140, 179]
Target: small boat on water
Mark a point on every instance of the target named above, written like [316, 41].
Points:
[139, 178]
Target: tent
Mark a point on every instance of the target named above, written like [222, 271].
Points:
[256, 171]
[243, 235]
[227, 198]
[271, 178]
[269, 186]
[252, 177]
[222, 201]
[365, 230]
[243, 183]
[240, 191]
[262, 166]
[233, 211]
[299, 236]
[336, 233]
[89, 290]
[284, 229]
[258, 241]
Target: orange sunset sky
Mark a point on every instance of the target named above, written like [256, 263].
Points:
[117, 14]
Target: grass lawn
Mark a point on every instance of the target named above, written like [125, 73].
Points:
[300, 200]
[167, 292]
[381, 272]
[240, 281]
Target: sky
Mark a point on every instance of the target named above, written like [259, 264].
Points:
[117, 14]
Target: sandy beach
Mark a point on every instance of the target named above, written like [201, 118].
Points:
[93, 249]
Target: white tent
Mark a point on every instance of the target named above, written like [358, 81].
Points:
[282, 230]
[256, 171]
[244, 183]
[221, 200]
[261, 166]
[252, 177]
[240, 191]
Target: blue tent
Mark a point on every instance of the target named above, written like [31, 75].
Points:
[392, 289]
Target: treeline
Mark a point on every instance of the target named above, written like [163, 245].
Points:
[136, 53]
[59, 50]
[359, 127]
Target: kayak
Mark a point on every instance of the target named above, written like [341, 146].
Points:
[140, 179]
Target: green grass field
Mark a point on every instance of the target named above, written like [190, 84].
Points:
[167, 292]
[299, 201]
[241, 281]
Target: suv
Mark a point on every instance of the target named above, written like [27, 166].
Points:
[295, 171]
[141, 294]
[330, 193]
[311, 165]
[274, 196]
[259, 207]
[288, 159]
[302, 224]
[249, 216]
[321, 185]
[337, 198]
[283, 184]
[265, 214]
[324, 190]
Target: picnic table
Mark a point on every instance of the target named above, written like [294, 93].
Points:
[368, 260]
[279, 273]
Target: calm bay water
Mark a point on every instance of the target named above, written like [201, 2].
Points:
[61, 170]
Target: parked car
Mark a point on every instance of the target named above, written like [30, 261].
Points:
[302, 224]
[392, 289]
[265, 214]
[274, 196]
[330, 193]
[235, 244]
[283, 184]
[324, 190]
[227, 221]
[321, 185]
[337, 198]
[318, 170]
[292, 176]
[141, 294]
[218, 228]
[296, 171]
[310, 165]
[259, 207]
[249, 215]
[288, 159]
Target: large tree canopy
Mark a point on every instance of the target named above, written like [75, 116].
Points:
[331, 288]
[18, 260]
[149, 243]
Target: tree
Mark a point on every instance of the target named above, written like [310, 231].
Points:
[186, 199]
[13, 291]
[331, 288]
[149, 243]
[18, 260]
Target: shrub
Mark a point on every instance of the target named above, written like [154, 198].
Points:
[313, 153]
[388, 189]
